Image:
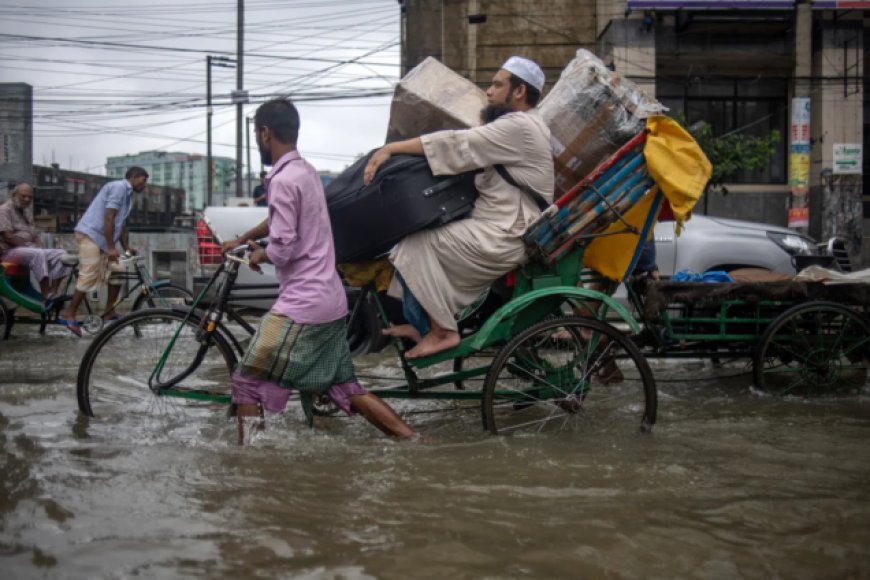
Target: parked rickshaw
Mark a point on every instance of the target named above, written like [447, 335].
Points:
[17, 291]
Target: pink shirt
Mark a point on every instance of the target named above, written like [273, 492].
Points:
[300, 244]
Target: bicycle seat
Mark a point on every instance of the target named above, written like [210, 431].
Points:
[69, 260]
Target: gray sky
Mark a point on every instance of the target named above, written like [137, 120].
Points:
[113, 77]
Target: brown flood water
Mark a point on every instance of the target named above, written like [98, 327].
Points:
[730, 484]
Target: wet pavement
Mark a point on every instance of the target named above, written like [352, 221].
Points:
[732, 483]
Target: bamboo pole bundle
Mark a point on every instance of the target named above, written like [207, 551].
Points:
[583, 236]
[550, 227]
[592, 205]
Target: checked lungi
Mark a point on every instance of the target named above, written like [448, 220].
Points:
[310, 358]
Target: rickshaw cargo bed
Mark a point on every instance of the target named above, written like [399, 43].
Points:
[367, 220]
[660, 294]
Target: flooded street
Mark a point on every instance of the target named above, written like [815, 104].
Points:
[731, 483]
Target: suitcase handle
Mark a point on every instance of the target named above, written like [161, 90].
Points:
[438, 188]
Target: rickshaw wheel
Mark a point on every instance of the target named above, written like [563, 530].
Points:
[813, 349]
[571, 373]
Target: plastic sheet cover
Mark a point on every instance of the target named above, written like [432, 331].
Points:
[591, 111]
[431, 97]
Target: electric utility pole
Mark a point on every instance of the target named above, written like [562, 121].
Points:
[241, 96]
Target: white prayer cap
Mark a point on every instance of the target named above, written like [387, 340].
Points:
[526, 69]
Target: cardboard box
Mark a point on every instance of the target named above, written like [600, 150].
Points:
[591, 112]
[431, 97]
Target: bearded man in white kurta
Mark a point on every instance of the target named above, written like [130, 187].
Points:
[447, 268]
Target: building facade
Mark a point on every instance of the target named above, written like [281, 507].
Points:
[16, 132]
[183, 170]
[742, 66]
[61, 196]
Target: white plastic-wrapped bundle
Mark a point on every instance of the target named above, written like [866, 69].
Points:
[431, 97]
[591, 112]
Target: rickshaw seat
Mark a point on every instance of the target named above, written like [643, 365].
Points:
[69, 260]
[14, 269]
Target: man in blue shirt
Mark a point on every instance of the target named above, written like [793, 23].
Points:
[102, 226]
[260, 192]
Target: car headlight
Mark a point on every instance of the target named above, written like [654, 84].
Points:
[794, 244]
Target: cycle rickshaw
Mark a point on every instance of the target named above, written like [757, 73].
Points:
[17, 289]
[542, 364]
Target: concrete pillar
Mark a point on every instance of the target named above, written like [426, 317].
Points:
[421, 32]
[629, 44]
[839, 97]
[471, 40]
[801, 87]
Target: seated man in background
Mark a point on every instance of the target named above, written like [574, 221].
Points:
[20, 243]
[445, 269]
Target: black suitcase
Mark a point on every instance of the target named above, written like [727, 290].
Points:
[403, 198]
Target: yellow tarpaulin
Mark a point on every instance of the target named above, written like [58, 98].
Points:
[680, 169]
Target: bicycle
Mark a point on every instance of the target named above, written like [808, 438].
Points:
[15, 285]
[183, 344]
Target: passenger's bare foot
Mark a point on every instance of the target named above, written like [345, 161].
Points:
[403, 331]
[433, 343]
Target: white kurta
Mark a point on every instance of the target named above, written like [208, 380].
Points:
[448, 267]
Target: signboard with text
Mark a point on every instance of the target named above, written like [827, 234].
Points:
[848, 158]
[799, 162]
[800, 121]
[799, 217]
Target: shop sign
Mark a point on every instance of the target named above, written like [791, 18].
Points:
[840, 5]
[711, 4]
[848, 158]
[744, 4]
[799, 172]
[800, 121]
[799, 217]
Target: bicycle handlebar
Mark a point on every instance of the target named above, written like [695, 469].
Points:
[127, 258]
[240, 250]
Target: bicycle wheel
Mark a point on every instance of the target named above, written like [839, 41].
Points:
[116, 370]
[813, 349]
[571, 373]
[168, 296]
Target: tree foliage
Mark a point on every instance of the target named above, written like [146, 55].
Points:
[732, 153]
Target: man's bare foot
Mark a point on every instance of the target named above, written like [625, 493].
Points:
[433, 343]
[403, 331]
[381, 415]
